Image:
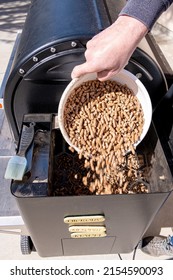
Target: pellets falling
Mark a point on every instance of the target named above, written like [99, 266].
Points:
[109, 119]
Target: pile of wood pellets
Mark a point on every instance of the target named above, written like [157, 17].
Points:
[104, 120]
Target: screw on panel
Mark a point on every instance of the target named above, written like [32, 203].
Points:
[52, 49]
[139, 75]
[21, 71]
[35, 59]
[73, 44]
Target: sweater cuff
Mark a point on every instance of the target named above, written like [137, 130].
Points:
[147, 12]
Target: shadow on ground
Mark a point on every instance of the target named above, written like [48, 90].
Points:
[12, 16]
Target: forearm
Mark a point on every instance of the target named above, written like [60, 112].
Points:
[132, 30]
[146, 11]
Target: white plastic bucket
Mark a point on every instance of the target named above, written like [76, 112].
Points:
[125, 78]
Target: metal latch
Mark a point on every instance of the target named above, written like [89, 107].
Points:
[55, 123]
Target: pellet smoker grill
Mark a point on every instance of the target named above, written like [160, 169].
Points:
[52, 42]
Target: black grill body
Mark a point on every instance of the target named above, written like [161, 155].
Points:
[52, 42]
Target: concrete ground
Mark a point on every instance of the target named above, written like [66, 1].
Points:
[12, 17]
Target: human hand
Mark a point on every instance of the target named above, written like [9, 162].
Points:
[109, 51]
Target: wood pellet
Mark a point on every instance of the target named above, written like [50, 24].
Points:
[104, 120]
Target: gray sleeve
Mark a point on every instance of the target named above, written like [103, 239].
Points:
[147, 11]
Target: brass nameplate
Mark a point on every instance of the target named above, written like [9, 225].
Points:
[88, 229]
[87, 235]
[84, 219]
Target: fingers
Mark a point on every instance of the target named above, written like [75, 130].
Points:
[107, 74]
[80, 70]
[104, 75]
[84, 68]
